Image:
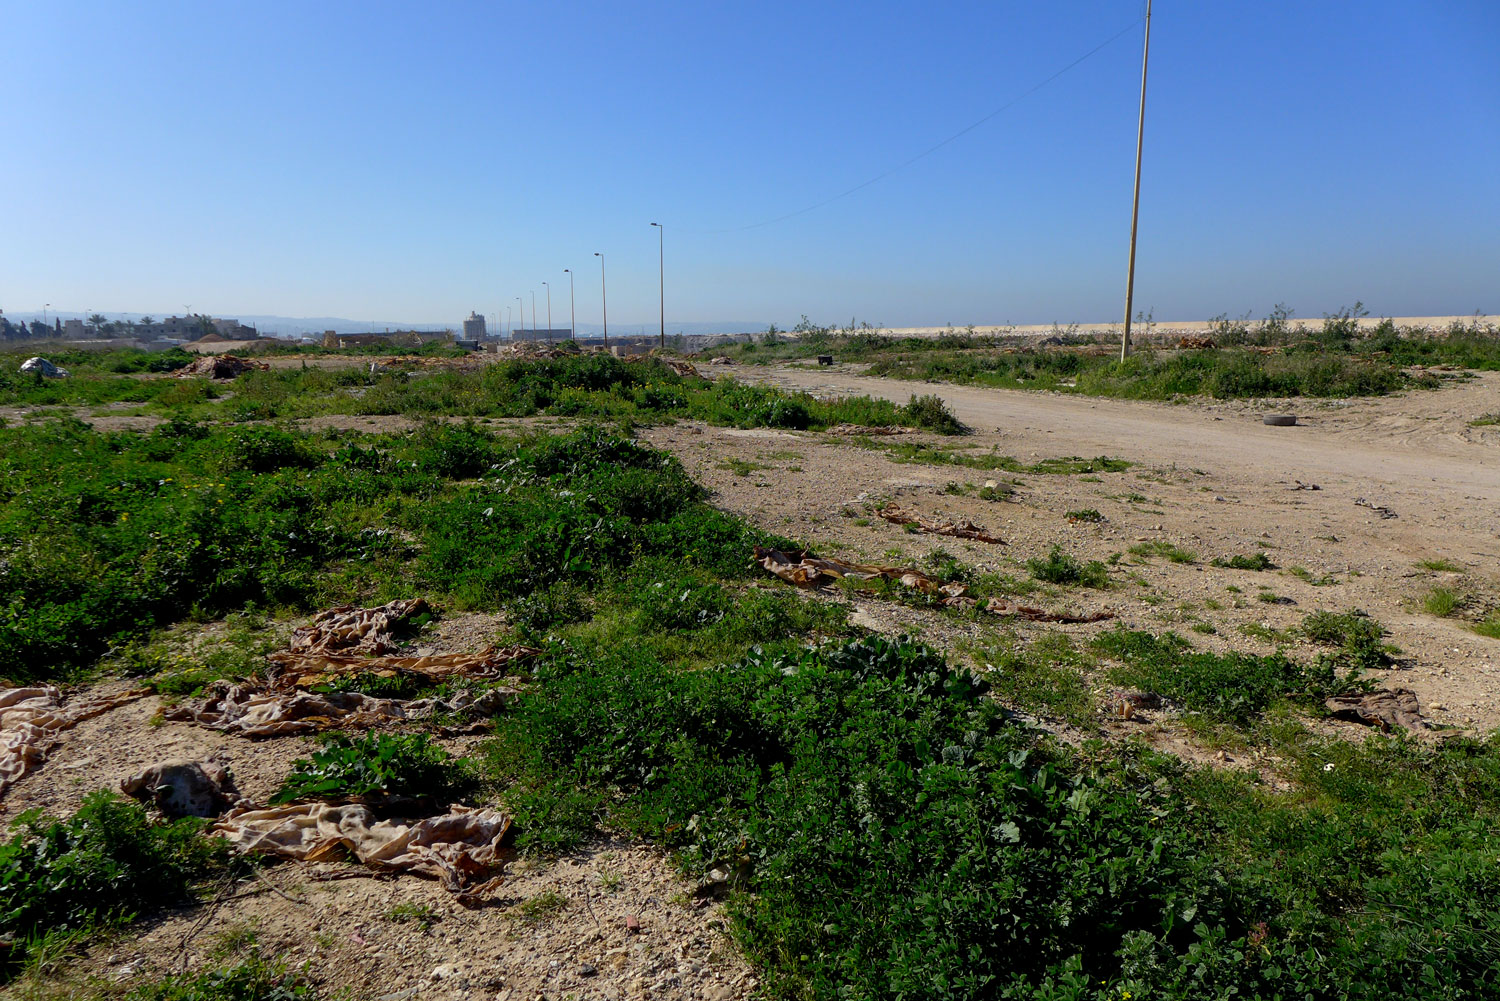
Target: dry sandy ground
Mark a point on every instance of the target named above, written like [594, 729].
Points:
[1209, 478]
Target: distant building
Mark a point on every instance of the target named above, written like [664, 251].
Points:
[74, 330]
[474, 327]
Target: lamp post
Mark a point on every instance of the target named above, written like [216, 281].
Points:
[521, 312]
[603, 299]
[661, 263]
[548, 287]
[507, 323]
[533, 309]
[45, 306]
[1135, 209]
[572, 307]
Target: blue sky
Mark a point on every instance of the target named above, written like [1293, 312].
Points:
[412, 162]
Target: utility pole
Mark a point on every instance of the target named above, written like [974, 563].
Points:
[572, 307]
[548, 287]
[1135, 210]
[603, 299]
[520, 315]
[533, 309]
[662, 279]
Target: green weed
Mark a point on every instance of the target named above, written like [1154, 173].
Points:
[1061, 568]
[378, 766]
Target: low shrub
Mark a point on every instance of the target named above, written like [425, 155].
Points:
[1061, 568]
[1255, 561]
[378, 767]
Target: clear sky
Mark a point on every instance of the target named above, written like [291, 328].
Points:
[416, 161]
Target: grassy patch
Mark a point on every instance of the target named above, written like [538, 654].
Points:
[1487, 420]
[1442, 602]
[1440, 566]
[1164, 549]
[742, 467]
[1087, 514]
[1062, 568]
[954, 455]
[1255, 561]
[1045, 676]
[1230, 687]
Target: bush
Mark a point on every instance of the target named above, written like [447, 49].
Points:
[1061, 568]
[378, 767]
[1255, 561]
[255, 978]
[931, 413]
[103, 865]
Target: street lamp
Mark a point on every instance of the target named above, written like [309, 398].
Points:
[572, 311]
[603, 299]
[549, 311]
[662, 278]
[507, 322]
[521, 312]
[533, 309]
[45, 307]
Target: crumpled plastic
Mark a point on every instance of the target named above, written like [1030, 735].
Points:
[182, 788]
[811, 572]
[463, 848]
[43, 367]
[963, 529]
[292, 669]
[848, 430]
[355, 630]
[251, 712]
[31, 720]
[220, 367]
[805, 570]
[1386, 708]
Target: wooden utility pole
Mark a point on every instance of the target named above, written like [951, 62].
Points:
[1135, 211]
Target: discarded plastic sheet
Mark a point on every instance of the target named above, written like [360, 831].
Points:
[182, 788]
[44, 368]
[356, 630]
[463, 847]
[1379, 509]
[1386, 709]
[807, 571]
[847, 430]
[963, 529]
[290, 669]
[682, 368]
[220, 367]
[253, 713]
[31, 720]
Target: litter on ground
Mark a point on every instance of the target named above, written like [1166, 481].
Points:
[31, 720]
[962, 529]
[1387, 709]
[463, 847]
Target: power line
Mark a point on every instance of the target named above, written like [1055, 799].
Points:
[937, 146]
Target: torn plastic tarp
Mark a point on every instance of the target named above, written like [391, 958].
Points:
[808, 571]
[463, 847]
[182, 788]
[355, 630]
[964, 529]
[44, 368]
[220, 367]
[253, 713]
[32, 718]
[295, 669]
[1385, 708]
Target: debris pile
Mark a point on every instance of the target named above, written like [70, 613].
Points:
[181, 788]
[1196, 342]
[849, 430]
[963, 529]
[221, 367]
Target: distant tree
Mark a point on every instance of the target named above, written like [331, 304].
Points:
[206, 325]
[40, 329]
[97, 321]
[147, 320]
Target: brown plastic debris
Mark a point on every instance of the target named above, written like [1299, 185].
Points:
[1386, 708]
[809, 571]
[682, 368]
[1195, 342]
[220, 367]
[355, 630]
[964, 529]
[463, 847]
[251, 712]
[1304, 486]
[290, 669]
[1384, 512]
[1030, 614]
[31, 720]
[856, 429]
[182, 788]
